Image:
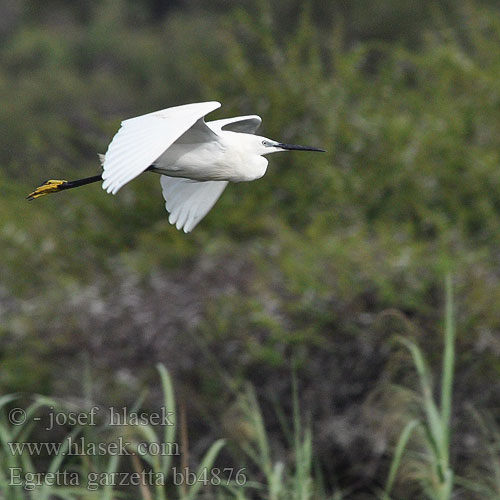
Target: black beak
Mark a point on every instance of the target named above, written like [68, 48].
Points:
[299, 148]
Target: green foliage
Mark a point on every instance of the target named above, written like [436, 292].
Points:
[404, 97]
[280, 482]
[435, 472]
[160, 464]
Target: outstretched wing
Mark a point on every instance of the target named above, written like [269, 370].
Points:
[189, 201]
[141, 140]
[245, 124]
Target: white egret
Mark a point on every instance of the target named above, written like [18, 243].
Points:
[196, 159]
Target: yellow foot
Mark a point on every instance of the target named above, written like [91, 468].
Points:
[52, 186]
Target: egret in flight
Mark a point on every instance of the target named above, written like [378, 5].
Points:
[195, 159]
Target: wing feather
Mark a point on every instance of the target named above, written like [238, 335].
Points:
[246, 124]
[189, 201]
[141, 140]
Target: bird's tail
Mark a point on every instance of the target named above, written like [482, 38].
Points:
[51, 186]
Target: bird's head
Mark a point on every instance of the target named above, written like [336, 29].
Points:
[266, 146]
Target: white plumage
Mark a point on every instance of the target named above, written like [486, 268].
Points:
[189, 201]
[197, 159]
[141, 140]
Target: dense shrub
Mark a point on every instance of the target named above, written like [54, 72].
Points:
[297, 267]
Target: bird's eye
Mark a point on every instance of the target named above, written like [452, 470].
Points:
[266, 143]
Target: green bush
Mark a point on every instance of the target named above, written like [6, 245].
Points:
[298, 265]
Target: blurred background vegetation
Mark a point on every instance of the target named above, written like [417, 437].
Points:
[312, 269]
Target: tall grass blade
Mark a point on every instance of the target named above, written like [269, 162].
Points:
[112, 467]
[398, 454]
[169, 402]
[448, 365]
[55, 465]
[205, 468]
[434, 421]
